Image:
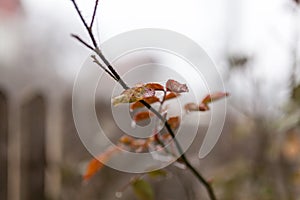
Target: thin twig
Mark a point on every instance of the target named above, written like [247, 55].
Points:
[117, 77]
[95, 60]
[82, 41]
[90, 32]
[94, 14]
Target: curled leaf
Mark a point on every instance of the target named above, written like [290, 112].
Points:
[97, 163]
[148, 100]
[133, 94]
[142, 116]
[174, 122]
[176, 87]
[214, 97]
[142, 189]
[155, 86]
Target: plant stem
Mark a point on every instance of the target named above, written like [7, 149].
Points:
[113, 73]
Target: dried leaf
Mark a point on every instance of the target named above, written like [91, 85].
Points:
[142, 116]
[176, 87]
[174, 122]
[148, 100]
[171, 95]
[191, 107]
[97, 163]
[132, 95]
[142, 189]
[125, 139]
[155, 86]
[214, 97]
[203, 107]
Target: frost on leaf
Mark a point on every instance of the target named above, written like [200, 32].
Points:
[176, 87]
[133, 95]
[97, 163]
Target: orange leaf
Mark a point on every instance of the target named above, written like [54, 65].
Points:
[155, 86]
[97, 163]
[142, 116]
[125, 139]
[176, 87]
[215, 96]
[174, 122]
[171, 95]
[149, 100]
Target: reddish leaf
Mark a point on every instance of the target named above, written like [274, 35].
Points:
[133, 94]
[142, 116]
[171, 95]
[149, 100]
[176, 87]
[213, 97]
[203, 107]
[204, 104]
[97, 163]
[155, 86]
[174, 122]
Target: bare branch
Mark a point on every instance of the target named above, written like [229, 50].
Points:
[83, 42]
[80, 15]
[94, 14]
[86, 26]
[95, 60]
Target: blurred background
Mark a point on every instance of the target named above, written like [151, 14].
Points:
[255, 46]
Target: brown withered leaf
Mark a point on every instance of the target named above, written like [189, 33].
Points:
[203, 107]
[191, 107]
[214, 97]
[142, 116]
[155, 86]
[148, 100]
[125, 139]
[204, 104]
[97, 163]
[174, 122]
[175, 86]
